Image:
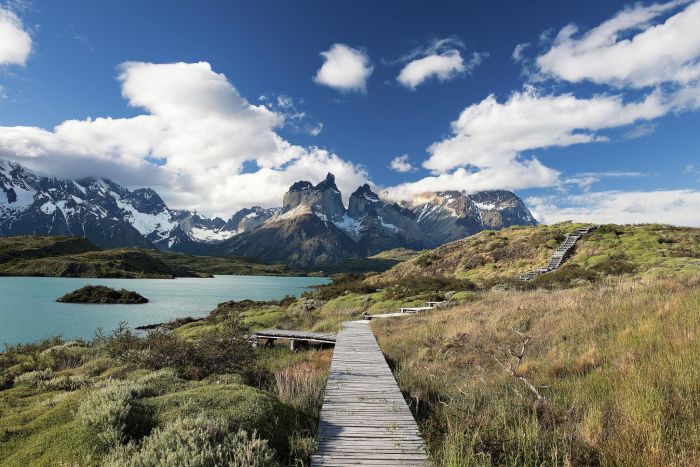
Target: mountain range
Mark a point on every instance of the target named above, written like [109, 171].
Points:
[311, 228]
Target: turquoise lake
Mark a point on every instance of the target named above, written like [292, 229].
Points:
[29, 312]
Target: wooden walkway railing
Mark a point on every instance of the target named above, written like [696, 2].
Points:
[364, 418]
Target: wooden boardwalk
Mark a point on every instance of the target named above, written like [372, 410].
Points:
[364, 419]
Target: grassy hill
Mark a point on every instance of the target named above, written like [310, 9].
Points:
[490, 257]
[78, 257]
[224, 265]
[378, 263]
[614, 360]
[612, 345]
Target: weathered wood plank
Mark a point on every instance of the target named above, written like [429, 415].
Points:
[364, 419]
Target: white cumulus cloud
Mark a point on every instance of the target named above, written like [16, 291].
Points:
[401, 164]
[492, 134]
[677, 207]
[441, 59]
[198, 124]
[642, 45]
[344, 68]
[15, 41]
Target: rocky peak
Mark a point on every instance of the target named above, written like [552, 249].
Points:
[301, 186]
[362, 202]
[324, 199]
[327, 184]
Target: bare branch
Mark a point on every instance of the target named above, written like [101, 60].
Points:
[516, 359]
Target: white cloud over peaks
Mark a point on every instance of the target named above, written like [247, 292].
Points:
[491, 134]
[344, 68]
[15, 41]
[442, 59]
[513, 175]
[401, 164]
[198, 123]
[678, 207]
[638, 47]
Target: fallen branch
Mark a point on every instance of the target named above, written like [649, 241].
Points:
[514, 360]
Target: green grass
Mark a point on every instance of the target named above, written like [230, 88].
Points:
[276, 396]
[34, 433]
[489, 257]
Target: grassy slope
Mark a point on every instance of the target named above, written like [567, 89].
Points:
[40, 421]
[617, 359]
[29, 246]
[77, 257]
[223, 264]
[378, 263]
[489, 257]
[617, 351]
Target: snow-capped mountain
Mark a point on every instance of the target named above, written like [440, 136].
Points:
[312, 227]
[103, 211]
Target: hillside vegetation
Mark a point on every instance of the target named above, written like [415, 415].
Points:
[491, 257]
[615, 364]
[77, 257]
[159, 399]
[605, 372]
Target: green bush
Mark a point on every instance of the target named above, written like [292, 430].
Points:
[107, 411]
[223, 350]
[435, 286]
[241, 406]
[341, 284]
[34, 378]
[302, 448]
[65, 383]
[195, 442]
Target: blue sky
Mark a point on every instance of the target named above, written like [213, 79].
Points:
[598, 123]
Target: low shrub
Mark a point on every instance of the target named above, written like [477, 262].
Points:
[341, 284]
[34, 378]
[224, 350]
[302, 448]
[435, 286]
[65, 383]
[241, 406]
[107, 411]
[196, 442]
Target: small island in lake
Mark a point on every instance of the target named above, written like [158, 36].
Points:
[102, 294]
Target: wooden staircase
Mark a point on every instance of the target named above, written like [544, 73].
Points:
[562, 252]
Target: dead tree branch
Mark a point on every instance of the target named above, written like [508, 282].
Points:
[511, 364]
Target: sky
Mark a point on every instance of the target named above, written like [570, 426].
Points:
[590, 111]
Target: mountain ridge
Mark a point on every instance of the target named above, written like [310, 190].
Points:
[311, 228]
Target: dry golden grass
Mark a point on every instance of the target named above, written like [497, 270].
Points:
[618, 359]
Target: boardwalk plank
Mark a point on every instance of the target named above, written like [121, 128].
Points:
[364, 419]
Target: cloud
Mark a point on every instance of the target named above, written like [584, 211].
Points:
[642, 45]
[517, 55]
[514, 175]
[442, 59]
[316, 130]
[692, 170]
[640, 131]
[677, 207]
[491, 134]
[585, 180]
[401, 164]
[201, 129]
[295, 120]
[345, 69]
[15, 41]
